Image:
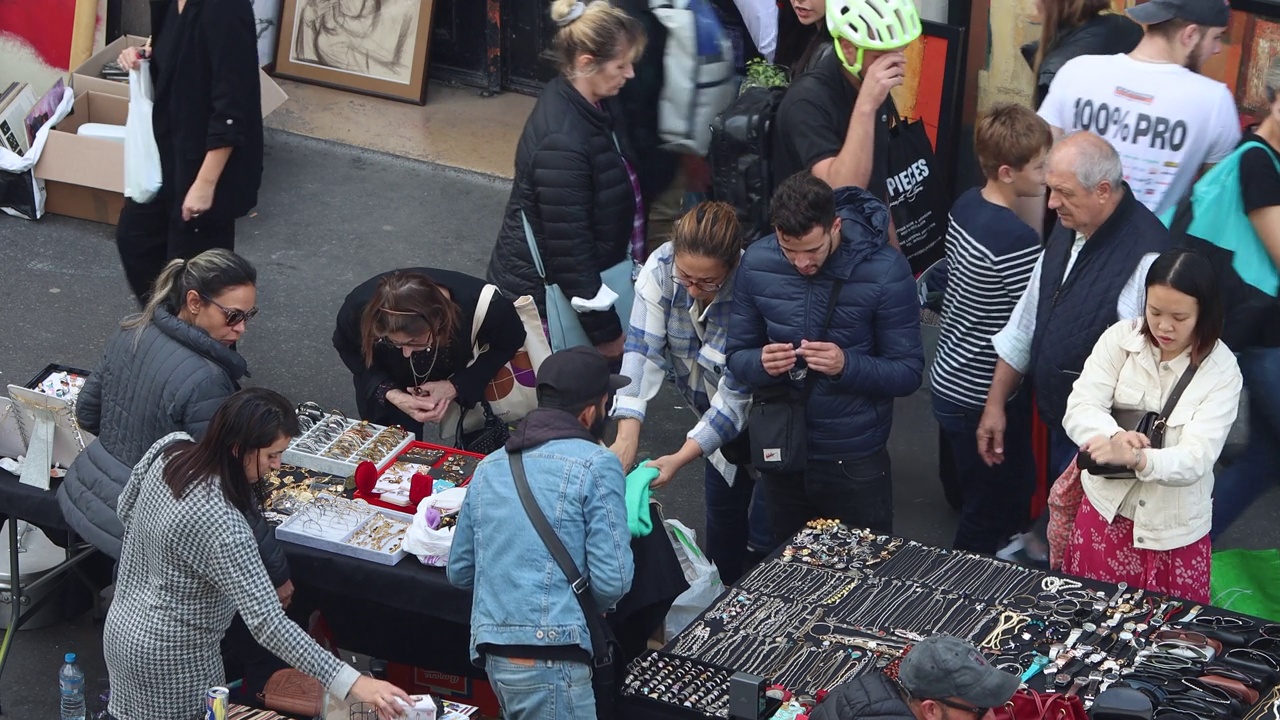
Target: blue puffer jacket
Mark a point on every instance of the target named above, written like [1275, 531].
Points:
[877, 323]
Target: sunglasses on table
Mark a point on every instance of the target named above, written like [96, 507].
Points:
[235, 316]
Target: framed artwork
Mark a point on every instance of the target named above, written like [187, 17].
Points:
[934, 88]
[376, 47]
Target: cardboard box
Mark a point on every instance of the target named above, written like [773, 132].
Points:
[84, 177]
[85, 77]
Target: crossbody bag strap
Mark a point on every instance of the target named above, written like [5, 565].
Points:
[1178, 389]
[580, 585]
[533, 246]
[826, 325]
[482, 312]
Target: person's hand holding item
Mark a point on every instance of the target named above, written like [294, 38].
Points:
[827, 358]
[418, 408]
[778, 358]
[627, 442]
[668, 465]
[1133, 439]
[886, 73]
[1116, 450]
[440, 393]
[131, 57]
[991, 435]
[612, 350]
[382, 695]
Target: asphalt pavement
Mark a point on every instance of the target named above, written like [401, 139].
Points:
[330, 217]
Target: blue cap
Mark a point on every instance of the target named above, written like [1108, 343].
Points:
[69, 657]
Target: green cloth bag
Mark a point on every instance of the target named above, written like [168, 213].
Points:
[639, 521]
[1247, 582]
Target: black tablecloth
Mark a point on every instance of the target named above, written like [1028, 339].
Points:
[36, 506]
[409, 612]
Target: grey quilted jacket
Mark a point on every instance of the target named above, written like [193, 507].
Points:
[171, 380]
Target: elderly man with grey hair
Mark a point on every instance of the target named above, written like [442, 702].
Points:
[1091, 274]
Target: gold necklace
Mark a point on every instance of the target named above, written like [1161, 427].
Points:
[418, 383]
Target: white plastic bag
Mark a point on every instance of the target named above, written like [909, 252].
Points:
[142, 174]
[701, 574]
[432, 546]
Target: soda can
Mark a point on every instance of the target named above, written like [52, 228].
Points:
[216, 703]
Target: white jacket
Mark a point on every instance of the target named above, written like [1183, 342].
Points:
[1170, 501]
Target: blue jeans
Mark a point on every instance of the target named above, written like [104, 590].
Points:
[542, 689]
[996, 500]
[737, 521]
[1256, 469]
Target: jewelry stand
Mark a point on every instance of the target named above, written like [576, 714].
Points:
[51, 433]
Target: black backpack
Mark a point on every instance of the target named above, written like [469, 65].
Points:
[741, 157]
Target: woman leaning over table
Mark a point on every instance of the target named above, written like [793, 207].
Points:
[405, 335]
[680, 322]
[1152, 531]
[190, 564]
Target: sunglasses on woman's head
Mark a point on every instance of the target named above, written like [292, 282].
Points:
[234, 315]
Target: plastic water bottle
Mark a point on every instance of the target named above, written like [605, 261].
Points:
[71, 688]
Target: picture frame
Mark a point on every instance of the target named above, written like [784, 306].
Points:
[374, 47]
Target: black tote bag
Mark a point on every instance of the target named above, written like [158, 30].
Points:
[917, 194]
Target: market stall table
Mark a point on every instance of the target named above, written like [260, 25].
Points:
[836, 603]
[409, 613]
[40, 508]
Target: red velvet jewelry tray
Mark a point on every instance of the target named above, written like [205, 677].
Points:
[373, 498]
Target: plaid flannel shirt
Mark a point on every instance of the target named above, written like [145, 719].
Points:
[665, 334]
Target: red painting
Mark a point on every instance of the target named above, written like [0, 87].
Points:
[45, 25]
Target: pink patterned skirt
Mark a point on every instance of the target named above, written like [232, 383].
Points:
[1104, 551]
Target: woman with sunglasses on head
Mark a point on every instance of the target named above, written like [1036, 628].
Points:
[680, 322]
[405, 335]
[1149, 527]
[189, 565]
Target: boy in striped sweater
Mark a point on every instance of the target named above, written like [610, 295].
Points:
[990, 256]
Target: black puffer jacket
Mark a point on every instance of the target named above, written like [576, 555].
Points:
[571, 182]
[871, 697]
[1104, 34]
[171, 379]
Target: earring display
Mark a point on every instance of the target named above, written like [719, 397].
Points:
[333, 443]
[446, 468]
[348, 527]
[284, 491]
[835, 603]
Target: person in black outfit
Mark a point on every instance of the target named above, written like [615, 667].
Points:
[574, 181]
[405, 335]
[208, 127]
[1070, 28]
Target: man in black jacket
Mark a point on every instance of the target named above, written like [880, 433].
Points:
[940, 678]
[1091, 274]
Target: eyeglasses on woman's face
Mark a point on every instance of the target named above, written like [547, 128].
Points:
[234, 316]
[411, 343]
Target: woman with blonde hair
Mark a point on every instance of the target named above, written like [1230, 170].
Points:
[1069, 28]
[576, 195]
[680, 323]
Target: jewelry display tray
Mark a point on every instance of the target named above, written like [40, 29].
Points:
[342, 467]
[374, 498]
[289, 531]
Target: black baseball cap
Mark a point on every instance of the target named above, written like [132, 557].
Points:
[942, 667]
[576, 377]
[1210, 13]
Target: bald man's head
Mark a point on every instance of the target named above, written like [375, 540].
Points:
[1085, 181]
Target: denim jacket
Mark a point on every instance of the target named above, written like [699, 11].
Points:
[520, 595]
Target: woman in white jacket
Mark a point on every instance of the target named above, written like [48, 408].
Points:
[1152, 530]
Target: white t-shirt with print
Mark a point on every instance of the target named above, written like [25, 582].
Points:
[1165, 120]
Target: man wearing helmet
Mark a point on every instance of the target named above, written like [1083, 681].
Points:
[834, 119]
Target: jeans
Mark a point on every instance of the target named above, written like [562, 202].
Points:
[737, 521]
[1255, 470]
[150, 235]
[858, 492]
[996, 500]
[542, 689]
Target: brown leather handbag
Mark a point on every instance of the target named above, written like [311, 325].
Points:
[293, 692]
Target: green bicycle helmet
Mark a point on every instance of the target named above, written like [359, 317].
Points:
[872, 25]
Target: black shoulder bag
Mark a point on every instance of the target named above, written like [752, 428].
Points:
[604, 647]
[776, 421]
[1150, 424]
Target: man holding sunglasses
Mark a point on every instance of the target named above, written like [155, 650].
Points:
[939, 678]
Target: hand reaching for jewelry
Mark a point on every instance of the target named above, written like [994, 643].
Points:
[382, 694]
[418, 408]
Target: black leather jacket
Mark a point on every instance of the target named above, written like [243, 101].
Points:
[1105, 34]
